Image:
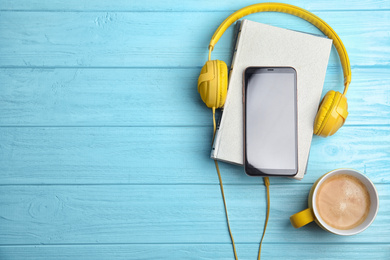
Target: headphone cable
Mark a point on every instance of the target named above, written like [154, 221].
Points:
[266, 183]
[223, 194]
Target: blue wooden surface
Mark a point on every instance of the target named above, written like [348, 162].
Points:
[104, 141]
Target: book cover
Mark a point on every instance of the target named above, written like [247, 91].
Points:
[259, 44]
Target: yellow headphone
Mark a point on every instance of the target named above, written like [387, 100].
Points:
[213, 79]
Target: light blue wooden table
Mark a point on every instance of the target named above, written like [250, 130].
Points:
[104, 141]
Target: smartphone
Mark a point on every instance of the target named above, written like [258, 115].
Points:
[270, 121]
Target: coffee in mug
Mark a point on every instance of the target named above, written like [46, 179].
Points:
[343, 201]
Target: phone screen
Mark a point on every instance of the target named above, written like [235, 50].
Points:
[270, 127]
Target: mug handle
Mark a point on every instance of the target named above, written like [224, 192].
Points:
[302, 218]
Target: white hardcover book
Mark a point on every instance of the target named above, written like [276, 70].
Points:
[264, 45]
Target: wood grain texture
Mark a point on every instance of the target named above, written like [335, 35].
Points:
[104, 141]
[197, 251]
[166, 155]
[177, 5]
[85, 214]
[150, 97]
[163, 39]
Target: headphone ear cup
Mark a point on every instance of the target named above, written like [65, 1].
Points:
[223, 83]
[331, 115]
[212, 83]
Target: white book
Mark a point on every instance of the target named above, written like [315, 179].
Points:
[265, 45]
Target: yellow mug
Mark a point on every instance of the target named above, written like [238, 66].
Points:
[312, 213]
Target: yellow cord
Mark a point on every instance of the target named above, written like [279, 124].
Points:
[226, 213]
[266, 183]
[223, 194]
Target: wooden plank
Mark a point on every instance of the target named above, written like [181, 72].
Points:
[100, 214]
[101, 97]
[177, 5]
[150, 97]
[163, 39]
[196, 251]
[165, 155]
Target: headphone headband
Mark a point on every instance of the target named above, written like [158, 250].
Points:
[296, 11]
